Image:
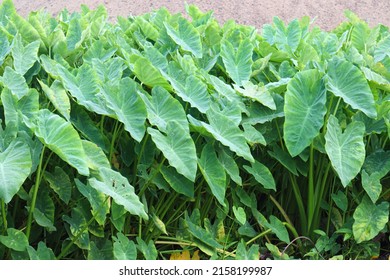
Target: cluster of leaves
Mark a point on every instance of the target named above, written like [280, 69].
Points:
[158, 135]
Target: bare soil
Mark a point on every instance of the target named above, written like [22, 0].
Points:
[328, 13]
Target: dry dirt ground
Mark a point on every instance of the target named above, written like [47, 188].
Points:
[328, 13]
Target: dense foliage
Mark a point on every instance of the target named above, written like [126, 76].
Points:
[166, 133]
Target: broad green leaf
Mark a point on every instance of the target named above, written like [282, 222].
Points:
[238, 63]
[158, 223]
[186, 36]
[83, 86]
[101, 250]
[15, 240]
[149, 75]
[124, 249]
[177, 181]
[128, 107]
[345, 80]
[230, 166]
[258, 113]
[243, 254]
[284, 158]
[42, 252]
[262, 175]
[225, 131]
[279, 229]
[44, 210]
[15, 167]
[113, 184]
[59, 182]
[162, 108]
[383, 49]
[190, 88]
[345, 149]
[95, 156]
[240, 214]
[213, 172]
[304, 110]
[287, 39]
[118, 216]
[340, 199]
[15, 82]
[5, 47]
[202, 235]
[22, 110]
[60, 137]
[178, 147]
[378, 162]
[253, 136]
[24, 56]
[370, 219]
[58, 97]
[147, 28]
[147, 249]
[99, 202]
[74, 34]
[86, 127]
[372, 185]
[79, 227]
[257, 93]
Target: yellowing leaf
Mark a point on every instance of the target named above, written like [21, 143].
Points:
[184, 256]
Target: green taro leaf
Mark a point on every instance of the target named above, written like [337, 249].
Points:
[162, 108]
[24, 56]
[213, 172]
[74, 34]
[60, 183]
[149, 75]
[279, 229]
[346, 81]
[238, 63]
[5, 47]
[99, 202]
[15, 167]
[58, 97]
[113, 184]
[240, 214]
[124, 249]
[147, 249]
[262, 175]
[304, 110]
[225, 131]
[287, 39]
[370, 219]
[202, 235]
[15, 240]
[60, 137]
[341, 200]
[372, 185]
[15, 82]
[345, 150]
[230, 166]
[186, 36]
[178, 147]
[177, 181]
[44, 210]
[258, 93]
[42, 252]
[79, 227]
[128, 107]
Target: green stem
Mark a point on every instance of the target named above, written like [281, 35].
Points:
[139, 158]
[4, 215]
[310, 198]
[114, 136]
[298, 197]
[35, 194]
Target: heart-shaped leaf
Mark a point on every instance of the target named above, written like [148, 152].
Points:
[304, 110]
[345, 150]
[15, 166]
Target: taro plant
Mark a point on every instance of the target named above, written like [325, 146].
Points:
[161, 136]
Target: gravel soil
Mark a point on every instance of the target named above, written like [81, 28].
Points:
[327, 13]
